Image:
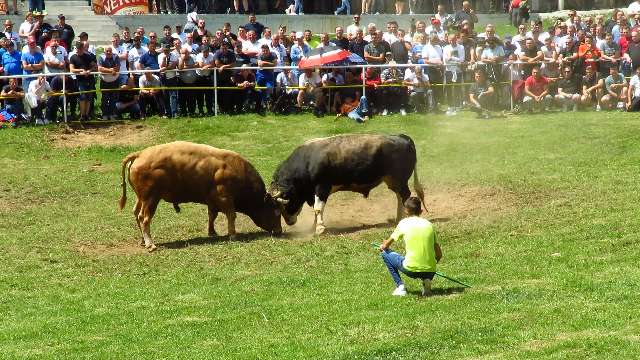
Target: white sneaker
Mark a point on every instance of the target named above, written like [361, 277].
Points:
[399, 291]
[385, 112]
[426, 287]
[620, 105]
[450, 112]
[403, 112]
[39, 122]
[598, 107]
[45, 121]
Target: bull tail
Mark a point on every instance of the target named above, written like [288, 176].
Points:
[417, 186]
[126, 163]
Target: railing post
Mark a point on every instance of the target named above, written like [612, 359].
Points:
[364, 83]
[215, 92]
[64, 97]
[511, 84]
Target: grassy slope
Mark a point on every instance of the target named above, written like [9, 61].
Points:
[554, 276]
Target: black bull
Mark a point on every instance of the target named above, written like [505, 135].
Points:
[357, 163]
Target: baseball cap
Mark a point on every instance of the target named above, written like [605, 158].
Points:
[299, 35]
[508, 37]
[61, 16]
[435, 22]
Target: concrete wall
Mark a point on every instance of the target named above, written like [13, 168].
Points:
[315, 23]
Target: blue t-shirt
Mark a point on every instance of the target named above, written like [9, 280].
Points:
[149, 60]
[12, 63]
[30, 58]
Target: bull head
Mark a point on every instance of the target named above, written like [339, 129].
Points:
[276, 194]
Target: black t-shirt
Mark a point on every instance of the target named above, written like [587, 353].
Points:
[12, 101]
[342, 43]
[257, 27]
[56, 84]
[589, 81]
[358, 47]
[270, 58]
[634, 53]
[477, 88]
[399, 51]
[570, 85]
[126, 96]
[84, 62]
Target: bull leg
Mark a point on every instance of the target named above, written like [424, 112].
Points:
[231, 220]
[148, 210]
[400, 209]
[137, 216]
[320, 200]
[213, 214]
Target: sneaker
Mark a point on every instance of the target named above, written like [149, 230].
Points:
[399, 291]
[366, 118]
[598, 107]
[620, 105]
[403, 112]
[39, 122]
[385, 112]
[45, 121]
[426, 287]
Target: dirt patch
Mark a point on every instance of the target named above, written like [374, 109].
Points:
[123, 248]
[347, 211]
[104, 135]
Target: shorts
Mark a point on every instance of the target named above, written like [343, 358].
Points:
[86, 86]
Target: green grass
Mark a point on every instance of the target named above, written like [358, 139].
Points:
[550, 247]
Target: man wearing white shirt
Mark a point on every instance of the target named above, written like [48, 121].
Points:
[371, 32]
[251, 47]
[168, 62]
[37, 98]
[432, 55]
[123, 55]
[136, 52]
[55, 58]
[10, 34]
[206, 63]
[453, 56]
[353, 28]
[391, 35]
[280, 51]
[420, 94]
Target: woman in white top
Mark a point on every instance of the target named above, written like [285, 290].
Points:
[25, 28]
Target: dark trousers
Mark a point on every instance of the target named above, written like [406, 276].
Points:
[225, 97]
[187, 100]
[394, 98]
[170, 96]
[205, 96]
[109, 98]
[156, 102]
[635, 104]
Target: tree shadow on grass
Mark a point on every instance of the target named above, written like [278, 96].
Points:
[217, 240]
[352, 229]
[440, 291]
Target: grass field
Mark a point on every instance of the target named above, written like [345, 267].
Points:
[538, 213]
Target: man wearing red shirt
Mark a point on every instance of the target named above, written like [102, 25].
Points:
[536, 91]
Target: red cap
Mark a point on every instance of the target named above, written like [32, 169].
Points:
[435, 21]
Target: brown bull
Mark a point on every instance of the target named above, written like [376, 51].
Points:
[183, 172]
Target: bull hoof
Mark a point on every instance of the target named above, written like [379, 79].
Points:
[233, 237]
[151, 248]
[213, 235]
[141, 243]
[320, 229]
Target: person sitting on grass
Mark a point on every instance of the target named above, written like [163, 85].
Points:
[536, 91]
[13, 96]
[310, 84]
[422, 249]
[591, 88]
[150, 94]
[633, 94]
[615, 87]
[128, 100]
[481, 95]
[568, 90]
[354, 109]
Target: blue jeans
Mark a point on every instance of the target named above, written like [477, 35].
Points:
[298, 7]
[265, 79]
[361, 111]
[393, 260]
[345, 6]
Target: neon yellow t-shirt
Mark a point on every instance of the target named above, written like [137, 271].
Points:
[419, 237]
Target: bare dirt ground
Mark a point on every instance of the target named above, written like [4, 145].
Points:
[103, 135]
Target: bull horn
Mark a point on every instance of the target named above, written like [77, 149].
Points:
[281, 200]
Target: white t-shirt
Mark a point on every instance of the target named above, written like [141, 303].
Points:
[59, 58]
[287, 81]
[200, 59]
[144, 83]
[25, 28]
[171, 58]
[453, 56]
[634, 8]
[635, 83]
[135, 54]
[339, 79]
[314, 80]
[38, 91]
[389, 37]
[118, 51]
[432, 53]
[410, 75]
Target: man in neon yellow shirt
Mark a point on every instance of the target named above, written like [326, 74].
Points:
[422, 250]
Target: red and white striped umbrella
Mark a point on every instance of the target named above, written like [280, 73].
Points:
[323, 56]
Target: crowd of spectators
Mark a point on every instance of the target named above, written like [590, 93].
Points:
[442, 63]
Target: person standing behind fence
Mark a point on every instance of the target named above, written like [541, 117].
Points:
[453, 54]
[264, 76]
[55, 103]
[225, 59]
[55, 58]
[394, 94]
[82, 64]
[205, 96]
[32, 62]
[109, 68]
[188, 77]
[168, 61]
